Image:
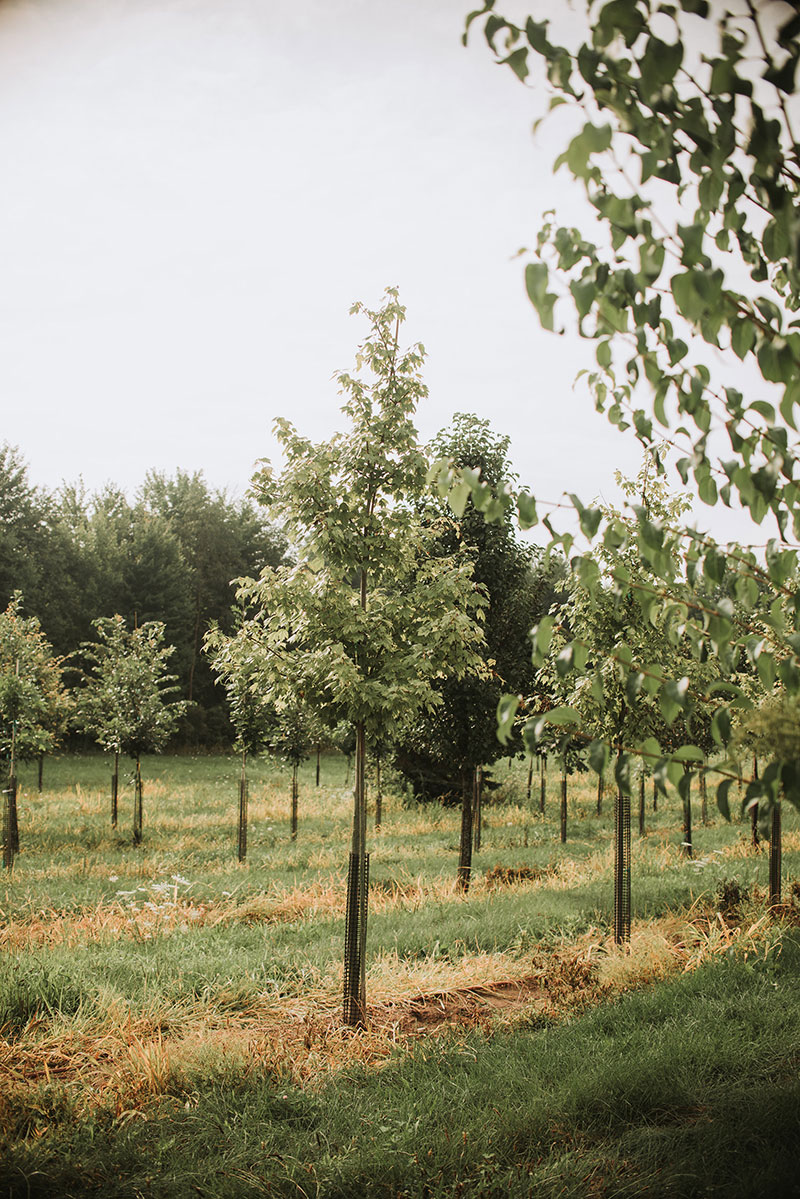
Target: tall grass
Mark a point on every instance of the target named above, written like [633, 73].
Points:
[166, 1004]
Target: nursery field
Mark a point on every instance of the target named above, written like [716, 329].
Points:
[170, 1018]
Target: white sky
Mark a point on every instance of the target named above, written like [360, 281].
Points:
[195, 191]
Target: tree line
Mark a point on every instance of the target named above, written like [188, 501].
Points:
[168, 555]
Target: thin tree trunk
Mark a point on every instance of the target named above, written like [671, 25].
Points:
[704, 794]
[241, 848]
[355, 988]
[294, 801]
[195, 648]
[542, 781]
[754, 810]
[355, 931]
[688, 848]
[465, 846]
[601, 785]
[115, 792]
[14, 813]
[137, 806]
[530, 778]
[655, 796]
[13, 818]
[775, 854]
[564, 799]
[378, 794]
[478, 793]
[641, 804]
[41, 772]
[318, 765]
[622, 866]
[9, 807]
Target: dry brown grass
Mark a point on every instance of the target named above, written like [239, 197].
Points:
[124, 1060]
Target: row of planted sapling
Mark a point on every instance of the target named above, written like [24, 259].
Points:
[34, 707]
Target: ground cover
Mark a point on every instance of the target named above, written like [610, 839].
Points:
[171, 1018]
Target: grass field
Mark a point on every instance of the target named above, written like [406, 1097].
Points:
[170, 1018]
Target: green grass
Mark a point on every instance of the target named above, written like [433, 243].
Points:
[685, 1089]
[678, 1086]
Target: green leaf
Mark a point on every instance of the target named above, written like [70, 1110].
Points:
[536, 278]
[622, 773]
[506, 712]
[458, 496]
[598, 754]
[688, 753]
[562, 716]
[526, 506]
[721, 726]
[722, 798]
[542, 634]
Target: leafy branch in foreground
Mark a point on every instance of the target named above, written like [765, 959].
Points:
[690, 167]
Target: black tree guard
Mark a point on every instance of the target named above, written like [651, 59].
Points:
[241, 847]
[465, 846]
[355, 936]
[622, 866]
[775, 854]
[137, 806]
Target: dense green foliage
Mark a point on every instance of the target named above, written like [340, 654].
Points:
[460, 732]
[34, 705]
[128, 702]
[169, 556]
[685, 150]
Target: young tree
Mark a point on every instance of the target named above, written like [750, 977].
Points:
[266, 710]
[686, 151]
[34, 705]
[772, 730]
[369, 617]
[443, 748]
[127, 703]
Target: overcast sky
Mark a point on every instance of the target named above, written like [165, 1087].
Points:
[195, 191]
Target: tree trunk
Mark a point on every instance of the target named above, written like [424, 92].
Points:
[115, 792]
[241, 848]
[542, 780]
[195, 648]
[137, 806]
[601, 785]
[622, 867]
[13, 792]
[754, 810]
[9, 809]
[465, 847]
[41, 772]
[378, 794]
[703, 794]
[688, 848]
[564, 800]
[641, 804]
[355, 981]
[655, 796]
[13, 819]
[775, 854]
[478, 792]
[294, 801]
[530, 779]
[317, 765]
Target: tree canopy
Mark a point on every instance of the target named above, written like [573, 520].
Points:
[687, 282]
